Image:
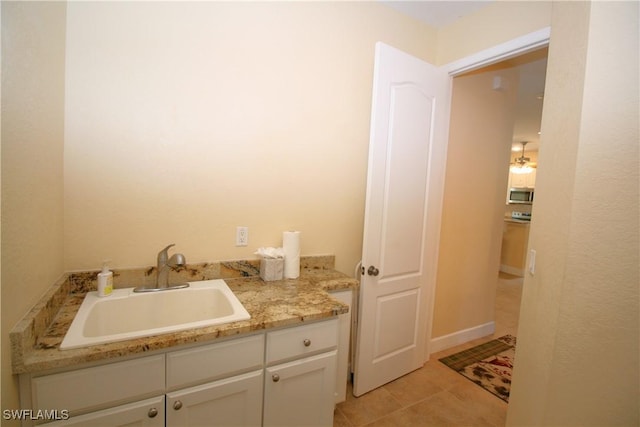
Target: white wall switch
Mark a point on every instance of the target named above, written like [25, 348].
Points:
[242, 236]
[532, 262]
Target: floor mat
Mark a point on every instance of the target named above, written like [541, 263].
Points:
[490, 365]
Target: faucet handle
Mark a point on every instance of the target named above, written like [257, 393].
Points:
[168, 246]
[163, 255]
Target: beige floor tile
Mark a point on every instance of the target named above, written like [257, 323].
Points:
[368, 407]
[339, 420]
[443, 376]
[441, 409]
[413, 387]
[486, 407]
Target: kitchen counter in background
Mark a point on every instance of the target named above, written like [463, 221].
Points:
[517, 221]
[35, 340]
[515, 239]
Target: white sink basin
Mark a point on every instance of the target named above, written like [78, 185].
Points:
[125, 314]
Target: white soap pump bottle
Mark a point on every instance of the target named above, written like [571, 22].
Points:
[105, 281]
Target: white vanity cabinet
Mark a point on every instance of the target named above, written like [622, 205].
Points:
[282, 377]
[300, 377]
[205, 385]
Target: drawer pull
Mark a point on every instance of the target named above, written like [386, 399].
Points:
[152, 412]
[177, 405]
[307, 342]
[275, 378]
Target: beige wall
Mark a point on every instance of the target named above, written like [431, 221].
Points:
[496, 23]
[478, 153]
[577, 355]
[184, 121]
[32, 143]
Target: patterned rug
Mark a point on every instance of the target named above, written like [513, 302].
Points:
[489, 365]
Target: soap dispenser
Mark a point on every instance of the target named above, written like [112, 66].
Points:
[105, 281]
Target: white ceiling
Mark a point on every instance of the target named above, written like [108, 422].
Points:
[437, 13]
[529, 104]
[532, 70]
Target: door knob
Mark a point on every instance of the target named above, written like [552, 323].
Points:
[372, 271]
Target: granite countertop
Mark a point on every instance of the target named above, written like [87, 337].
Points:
[35, 341]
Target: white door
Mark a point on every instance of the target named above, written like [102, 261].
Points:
[407, 152]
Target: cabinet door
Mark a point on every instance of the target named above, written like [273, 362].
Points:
[518, 180]
[235, 401]
[531, 179]
[301, 393]
[513, 254]
[146, 413]
[522, 180]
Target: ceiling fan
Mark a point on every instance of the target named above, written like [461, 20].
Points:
[522, 164]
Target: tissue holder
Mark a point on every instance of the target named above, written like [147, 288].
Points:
[271, 269]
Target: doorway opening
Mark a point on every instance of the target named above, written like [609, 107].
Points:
[494, 110]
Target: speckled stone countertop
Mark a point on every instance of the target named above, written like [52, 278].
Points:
[36, 339]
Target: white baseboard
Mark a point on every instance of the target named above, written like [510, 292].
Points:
[461, 337]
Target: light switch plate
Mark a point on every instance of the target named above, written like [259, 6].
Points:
[532, 262]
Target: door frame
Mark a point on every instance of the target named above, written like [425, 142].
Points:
[503, 51]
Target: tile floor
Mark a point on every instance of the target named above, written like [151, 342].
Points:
[435, 395]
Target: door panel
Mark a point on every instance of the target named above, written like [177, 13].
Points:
[406, 177]
[395, 323]
[402, 216]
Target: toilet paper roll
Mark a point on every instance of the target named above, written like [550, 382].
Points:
[291, 247]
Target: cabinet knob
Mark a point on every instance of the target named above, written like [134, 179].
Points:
[152, 412]
[307, 342]
[177, 405]
[275, 378]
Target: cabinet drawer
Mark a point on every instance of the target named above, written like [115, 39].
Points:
[100, 386]
[146, 413]
[210, 362]
[301, 340]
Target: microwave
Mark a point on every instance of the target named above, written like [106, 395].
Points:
[522, 196]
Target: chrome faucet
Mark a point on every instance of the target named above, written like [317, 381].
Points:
[164, 266]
